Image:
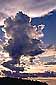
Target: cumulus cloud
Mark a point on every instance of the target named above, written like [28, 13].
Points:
[31, 7]
[22, 37]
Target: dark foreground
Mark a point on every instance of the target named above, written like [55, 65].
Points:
[15, 81]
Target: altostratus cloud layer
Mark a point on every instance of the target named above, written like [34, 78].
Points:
[31, 7]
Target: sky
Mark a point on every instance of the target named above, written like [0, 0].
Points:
[30, 7]
[33, 8]
[21, 37]
[50, 26]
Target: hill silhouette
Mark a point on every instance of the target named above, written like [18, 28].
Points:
[15, 81]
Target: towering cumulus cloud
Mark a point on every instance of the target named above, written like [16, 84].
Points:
[21, 37]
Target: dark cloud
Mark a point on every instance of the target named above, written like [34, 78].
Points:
[23, 38]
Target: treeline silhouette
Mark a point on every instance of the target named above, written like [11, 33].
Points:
[16, 81]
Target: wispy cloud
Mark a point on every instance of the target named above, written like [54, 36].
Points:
[30, 7]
